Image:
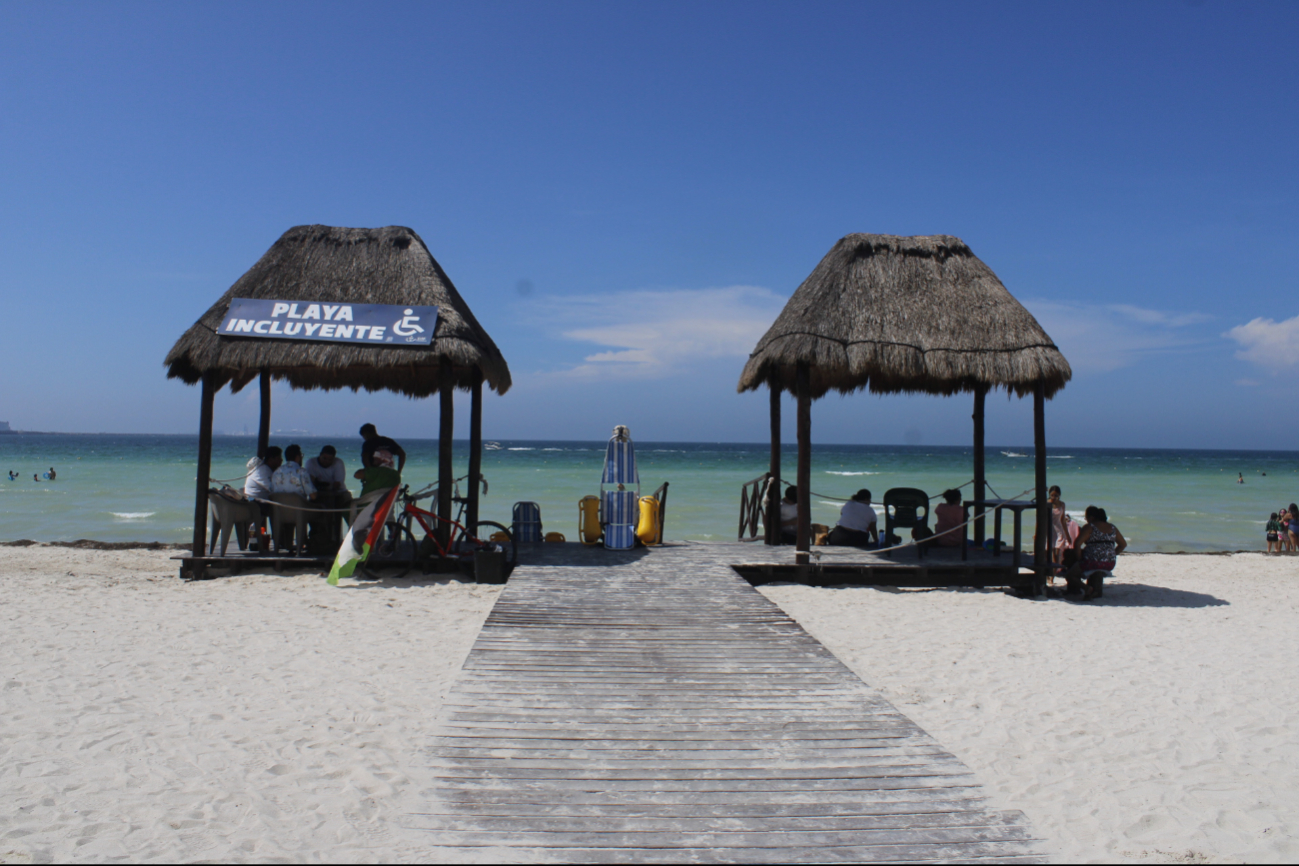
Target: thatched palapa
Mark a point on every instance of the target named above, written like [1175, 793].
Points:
[913, 314]
[325, 264]
[904, 314]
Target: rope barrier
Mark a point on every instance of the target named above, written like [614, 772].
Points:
[913, 542]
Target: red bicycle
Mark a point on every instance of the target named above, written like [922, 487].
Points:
[399, 548]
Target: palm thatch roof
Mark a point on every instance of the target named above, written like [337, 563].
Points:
[914, 314]
[365, 266]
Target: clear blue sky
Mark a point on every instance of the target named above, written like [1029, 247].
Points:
[626, 194]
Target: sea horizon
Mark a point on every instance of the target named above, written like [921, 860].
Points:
[139, 486]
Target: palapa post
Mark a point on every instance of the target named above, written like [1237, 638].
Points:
[331, 267]
[774, 486]
[907, 315]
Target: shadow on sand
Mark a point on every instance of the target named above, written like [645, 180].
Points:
[1143, 595]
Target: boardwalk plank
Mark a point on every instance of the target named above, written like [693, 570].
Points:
[661, 710]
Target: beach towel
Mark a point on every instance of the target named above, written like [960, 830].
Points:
[361, 537]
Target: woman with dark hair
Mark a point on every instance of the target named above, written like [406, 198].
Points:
[947, 516]
[1292, 527]
[1100, 542]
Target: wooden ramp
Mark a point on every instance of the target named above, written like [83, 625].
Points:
[661, 710]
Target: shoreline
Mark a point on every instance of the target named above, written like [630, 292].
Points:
[92, 544]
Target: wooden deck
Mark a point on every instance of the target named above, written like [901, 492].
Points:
[651, 706]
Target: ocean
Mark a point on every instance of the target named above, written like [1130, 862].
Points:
[141, 487]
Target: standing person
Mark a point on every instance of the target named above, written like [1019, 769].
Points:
[1274, 534]
[1292, 527]
[858, 522]
[373, 442]
[53, 474]
[1061, 527]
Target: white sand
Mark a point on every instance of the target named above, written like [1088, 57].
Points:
[1160, 723]
[275, 718]
[260, 717]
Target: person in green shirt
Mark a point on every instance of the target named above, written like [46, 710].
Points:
[1274, 534]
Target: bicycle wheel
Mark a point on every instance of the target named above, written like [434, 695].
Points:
[484, 529]
[397, 551]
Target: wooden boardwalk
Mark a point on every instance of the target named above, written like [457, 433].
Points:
[653, 707]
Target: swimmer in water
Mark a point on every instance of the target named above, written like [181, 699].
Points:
[52, 473]
[36, 477]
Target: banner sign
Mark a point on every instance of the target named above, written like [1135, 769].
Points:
[337, 323]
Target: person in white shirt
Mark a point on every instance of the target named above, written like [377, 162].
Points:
[789, 515]
[259, 483]
[857, 525]
[327, 471]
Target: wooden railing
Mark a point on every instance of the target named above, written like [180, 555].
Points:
[753, 496]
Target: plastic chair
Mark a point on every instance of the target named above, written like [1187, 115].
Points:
[230, 513]
[526, 524]
[289, 517]
[905, 508]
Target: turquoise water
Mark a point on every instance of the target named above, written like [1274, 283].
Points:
[141, 487]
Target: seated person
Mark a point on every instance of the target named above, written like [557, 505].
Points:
[949, 515]
[290, 477]
[328, 473]
[259, 483]
[789, 516]
[1100, 542]
[858, 523]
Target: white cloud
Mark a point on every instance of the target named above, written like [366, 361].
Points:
[1268, 343]
[1101, 338]
[656, 333]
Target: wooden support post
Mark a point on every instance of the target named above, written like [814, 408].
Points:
[1041, 555]
[446, 473]
[204, 463]
[980, 477]
[804, 538]
[775, 488]
[475, 449]
[264, 425]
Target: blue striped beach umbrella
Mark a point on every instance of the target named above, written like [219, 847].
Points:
[619, 507]
[620, 459]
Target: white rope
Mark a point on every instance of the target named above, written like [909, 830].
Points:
[913, 542]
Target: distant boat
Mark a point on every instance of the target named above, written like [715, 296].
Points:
[492, 446]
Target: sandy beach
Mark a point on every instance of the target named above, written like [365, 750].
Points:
[269, 717]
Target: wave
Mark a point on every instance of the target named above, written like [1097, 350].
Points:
[132, 515]
[521, 449]
[833, 472]
[1059, 457]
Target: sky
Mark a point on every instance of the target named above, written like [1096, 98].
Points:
[627, 194]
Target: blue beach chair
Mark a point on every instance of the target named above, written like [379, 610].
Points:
[619, 508]
[527, 522]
